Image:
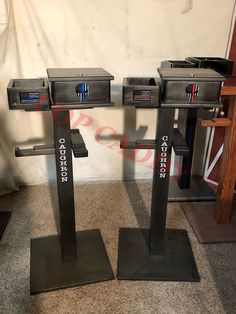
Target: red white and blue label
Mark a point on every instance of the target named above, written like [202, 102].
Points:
[142, 95]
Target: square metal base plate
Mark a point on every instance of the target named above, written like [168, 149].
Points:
[48, 272]
[4, 218]
[135, 262]
[204, 225]
[199, 191]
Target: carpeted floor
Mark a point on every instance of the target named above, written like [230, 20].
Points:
[108, 206]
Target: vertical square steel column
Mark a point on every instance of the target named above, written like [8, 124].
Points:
[157, 253]
[186, 167]
[161, 175]
[65, 186]
[73, 258]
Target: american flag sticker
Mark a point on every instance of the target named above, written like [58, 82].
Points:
[142, 95]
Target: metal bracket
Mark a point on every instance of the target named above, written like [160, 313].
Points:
[179, 144]
[77, 144]
[35, 151]
[139, 144]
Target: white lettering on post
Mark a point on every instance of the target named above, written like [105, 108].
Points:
[163, 159]
[63, 160]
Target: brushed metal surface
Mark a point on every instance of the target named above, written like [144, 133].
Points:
[64, 92]
[18, 86]
[64, 84]
[177, 86]
[187, 74]
[220, 65]
[55, 74]
[134, 85]
[175, 92]
[177, 64]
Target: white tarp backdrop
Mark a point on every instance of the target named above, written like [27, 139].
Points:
[127, 38]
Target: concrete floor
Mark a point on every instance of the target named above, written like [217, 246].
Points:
[108, 206]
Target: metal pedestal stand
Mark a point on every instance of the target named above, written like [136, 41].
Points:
[158, 253]
[73, 258]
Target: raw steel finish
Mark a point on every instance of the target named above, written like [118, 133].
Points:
[123, 204]
[75, 86]
[190, 87]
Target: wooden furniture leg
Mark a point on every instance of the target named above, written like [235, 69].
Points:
[216, 222]
[227, 174]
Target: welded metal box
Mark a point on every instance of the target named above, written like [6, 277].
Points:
[220, 65]
[190, 87]
[143, 92]
[28, 94]
[177, 64]
[71, 86]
